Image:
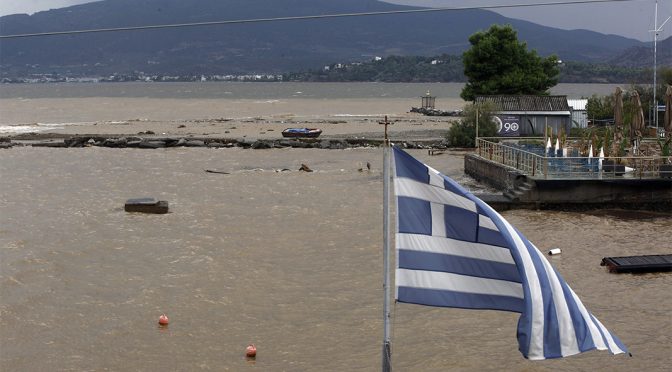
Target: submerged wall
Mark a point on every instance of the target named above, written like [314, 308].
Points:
[491, 173]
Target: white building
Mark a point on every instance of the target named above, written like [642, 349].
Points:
[579, 113]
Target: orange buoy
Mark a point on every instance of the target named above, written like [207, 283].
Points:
[251, 351]
[163, 320]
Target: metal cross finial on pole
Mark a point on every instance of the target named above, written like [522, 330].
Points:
[386, 123]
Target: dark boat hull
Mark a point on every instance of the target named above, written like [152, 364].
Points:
[307, 133]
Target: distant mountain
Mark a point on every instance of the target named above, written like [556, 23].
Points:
[642, 56]
[260, 47]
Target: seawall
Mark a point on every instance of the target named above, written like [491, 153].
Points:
[524, 191]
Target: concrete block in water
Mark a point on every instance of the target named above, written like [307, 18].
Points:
[146, 205]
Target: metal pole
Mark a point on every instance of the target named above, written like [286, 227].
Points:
[656, 30]
[655, 47]
[476, 126]
[387, 354]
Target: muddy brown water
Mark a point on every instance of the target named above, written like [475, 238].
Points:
[288, 260]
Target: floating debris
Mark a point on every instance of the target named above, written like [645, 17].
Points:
[638, 264]
[554, 251]
[251, 351]
[216, 171]
[305, 168]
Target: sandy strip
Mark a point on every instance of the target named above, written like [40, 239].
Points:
[217, 117]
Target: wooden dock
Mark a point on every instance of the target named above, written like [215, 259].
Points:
[638, 264]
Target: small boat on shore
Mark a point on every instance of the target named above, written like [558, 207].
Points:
[302, 132]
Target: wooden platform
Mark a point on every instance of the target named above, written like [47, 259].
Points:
[638, 264]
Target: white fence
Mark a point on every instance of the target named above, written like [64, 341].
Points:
[536, 162]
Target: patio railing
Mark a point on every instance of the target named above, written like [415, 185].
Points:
[536, 162]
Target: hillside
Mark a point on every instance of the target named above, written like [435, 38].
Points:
[261, 47]
[642, 56]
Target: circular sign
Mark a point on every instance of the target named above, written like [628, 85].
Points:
[512, 126]
[499, 123]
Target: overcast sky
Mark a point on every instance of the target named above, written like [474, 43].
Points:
[632, 19]
[32, 6]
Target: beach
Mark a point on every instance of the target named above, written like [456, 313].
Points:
[264, 253]
[128, 110]
[233, 110]
[213, 118]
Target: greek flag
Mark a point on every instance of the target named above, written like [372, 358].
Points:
[453, 250]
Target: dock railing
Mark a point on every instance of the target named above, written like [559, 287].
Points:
[536, 162]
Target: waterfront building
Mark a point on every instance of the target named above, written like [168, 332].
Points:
[528, 116]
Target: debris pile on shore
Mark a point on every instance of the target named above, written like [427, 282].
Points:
[5, 143]
[165, 142]
[435, 112]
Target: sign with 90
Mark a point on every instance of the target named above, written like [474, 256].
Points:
[507, 125]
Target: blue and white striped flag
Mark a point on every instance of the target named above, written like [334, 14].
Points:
[454, 250]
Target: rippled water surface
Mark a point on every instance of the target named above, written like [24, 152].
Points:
[288, 260]
[235, 90]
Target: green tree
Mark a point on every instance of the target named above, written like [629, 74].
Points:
[665, 76]
[463, 132]
[497, 63]
[600, 108]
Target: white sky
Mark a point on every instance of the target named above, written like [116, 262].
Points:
[631, 19]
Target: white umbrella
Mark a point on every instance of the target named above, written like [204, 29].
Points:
[557, 145]
[618, 121]
[548, 144]
[590, 153]
[601, 158]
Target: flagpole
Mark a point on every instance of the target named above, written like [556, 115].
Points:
[387, 354]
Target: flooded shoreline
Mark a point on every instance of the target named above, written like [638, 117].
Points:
[261, 252]
[290, 261]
